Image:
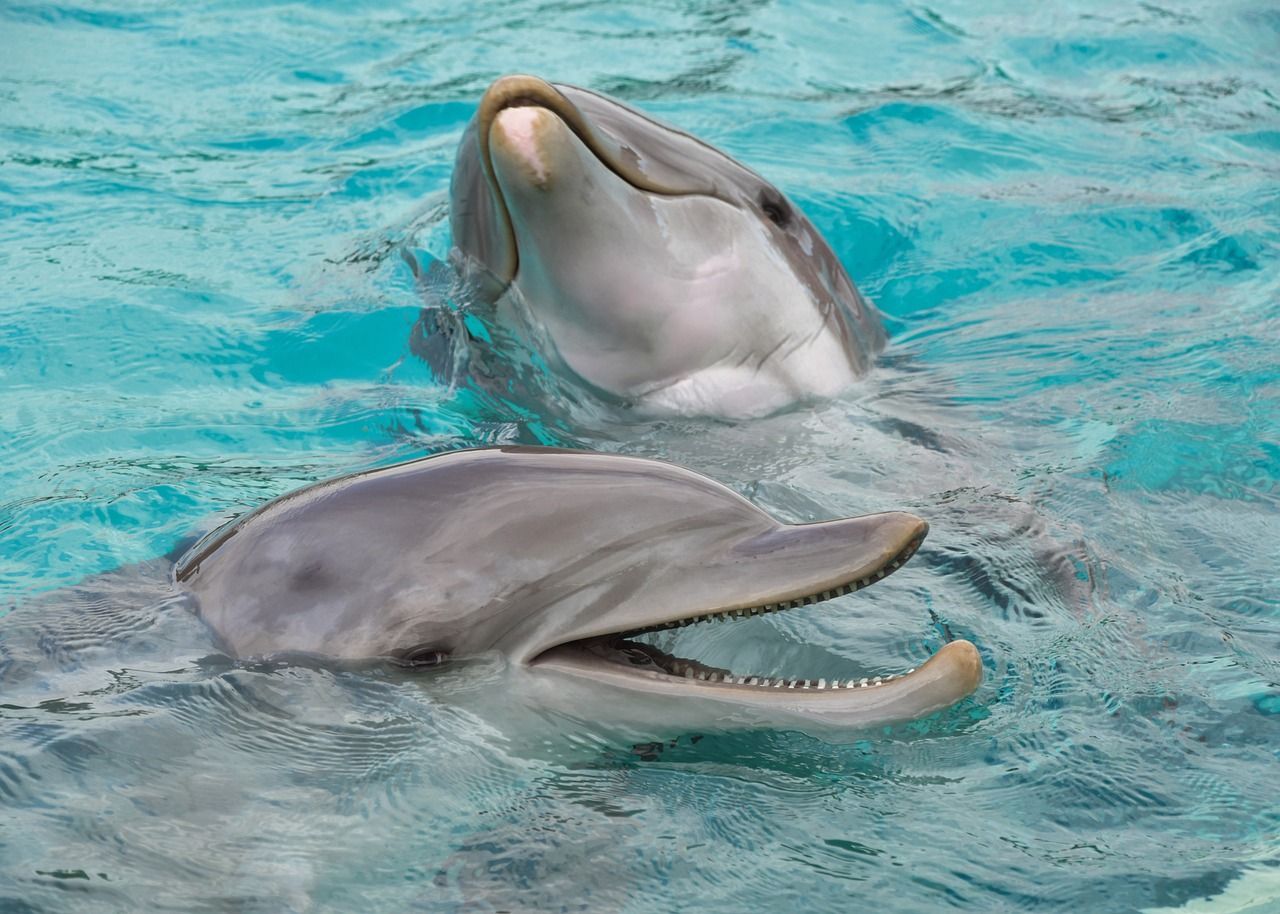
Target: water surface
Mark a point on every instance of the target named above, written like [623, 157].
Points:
[1070, 215]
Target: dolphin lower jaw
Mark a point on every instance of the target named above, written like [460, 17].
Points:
[951, 674]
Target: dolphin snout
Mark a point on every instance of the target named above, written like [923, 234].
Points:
[521, 142]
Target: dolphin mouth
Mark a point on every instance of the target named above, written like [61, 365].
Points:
[618, 659]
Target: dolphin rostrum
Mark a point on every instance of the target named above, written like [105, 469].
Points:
[655, 267]
[561, 562]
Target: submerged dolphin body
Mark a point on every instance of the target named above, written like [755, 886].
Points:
[558, 561]
[655, 267]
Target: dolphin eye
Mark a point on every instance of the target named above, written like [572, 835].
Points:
[775, 209]
[419, 657]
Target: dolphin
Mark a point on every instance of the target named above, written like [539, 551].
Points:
[560, 563]
[650, 264]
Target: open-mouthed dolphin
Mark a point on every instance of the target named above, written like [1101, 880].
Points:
[658, 269]
[559, 561]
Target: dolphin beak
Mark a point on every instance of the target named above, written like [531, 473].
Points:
[522, 145]
[520, 91]
[780, 569]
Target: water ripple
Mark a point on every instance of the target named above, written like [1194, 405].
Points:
[1067, 214]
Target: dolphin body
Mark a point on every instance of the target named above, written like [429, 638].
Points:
[652, 265]
[559, 562]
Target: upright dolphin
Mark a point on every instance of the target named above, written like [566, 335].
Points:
[558, 561]
[658, 269]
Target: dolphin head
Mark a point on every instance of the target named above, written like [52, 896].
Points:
[562, 562]
[658, 268]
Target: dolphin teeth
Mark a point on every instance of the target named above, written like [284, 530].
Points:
[804, 684]
[791, 684]
[877, 680]
[880, 574]
[777, 683]
[753, 681]
[865, 582]
[909, 672]
[862, 684]
[822, 683]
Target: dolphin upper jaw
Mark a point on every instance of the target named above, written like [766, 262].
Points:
[717, 569]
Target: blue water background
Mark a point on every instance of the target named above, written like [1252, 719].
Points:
[1070, 216]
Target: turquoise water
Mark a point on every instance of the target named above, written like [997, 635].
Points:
[1070, 215]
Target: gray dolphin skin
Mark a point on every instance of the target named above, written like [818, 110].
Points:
[656, 267]
[558, 561]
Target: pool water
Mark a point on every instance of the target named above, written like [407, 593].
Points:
[1069, 214]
